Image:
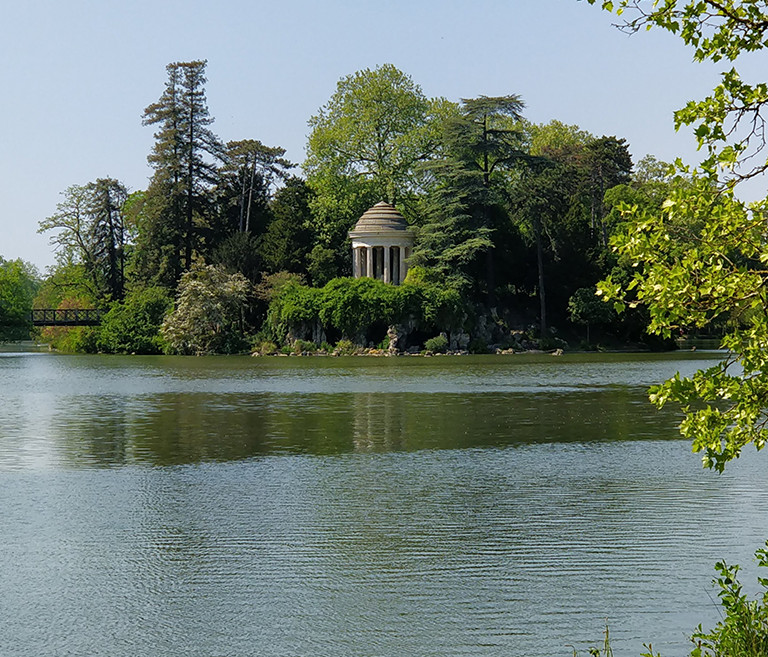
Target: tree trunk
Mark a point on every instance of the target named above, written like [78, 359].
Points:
[542, 294]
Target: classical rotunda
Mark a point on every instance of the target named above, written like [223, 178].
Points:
[381, 244]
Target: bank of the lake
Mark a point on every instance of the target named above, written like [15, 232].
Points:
[476, 505]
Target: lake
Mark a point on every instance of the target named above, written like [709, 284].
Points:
[416, 507]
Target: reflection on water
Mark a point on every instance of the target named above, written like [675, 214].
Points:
[89, 411]
[177, 428]
[415, 507]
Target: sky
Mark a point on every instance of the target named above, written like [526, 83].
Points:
[76, 75]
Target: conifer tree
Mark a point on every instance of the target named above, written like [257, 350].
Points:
[250, 173]
[178, 205]
[480, 142]
[89, 227]
[107, 200]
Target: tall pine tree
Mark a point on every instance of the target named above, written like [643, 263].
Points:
[466, 206]
[177, 208]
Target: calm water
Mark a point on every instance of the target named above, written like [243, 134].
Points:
[357, 507]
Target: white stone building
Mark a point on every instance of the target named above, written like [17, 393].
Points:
[381, 245]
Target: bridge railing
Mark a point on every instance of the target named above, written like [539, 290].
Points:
[66, 317]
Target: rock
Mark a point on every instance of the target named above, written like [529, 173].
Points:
[394, 340]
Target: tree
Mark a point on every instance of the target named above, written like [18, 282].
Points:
[720, 270]
[19, 282]
[540, 200]
[239, 254]
[177, 209]
[108, 197]
[288, 239]
[608, 164]
[703, 258]
[585, 308]
[249, 175]
[547, 206]
[90, 230]
[482, 141]
[377, 127]
[729, 123]
[366, 145]
[133, 326]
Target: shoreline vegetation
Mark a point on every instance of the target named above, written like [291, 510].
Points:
[228, 248]
[516, 224]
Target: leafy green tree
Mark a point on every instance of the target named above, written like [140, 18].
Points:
[718, 269]
[66, 281]
[540, 199]
[586, 308]
[321, 265]
[286, 244]
[377, 126]
[19, 282]
[729, 123]
[207, 317]
[558, 203]
[178, 209]
[703, 257]
[89, 225]
[366, 145]
[558, 141]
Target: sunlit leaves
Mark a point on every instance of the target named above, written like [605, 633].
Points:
[702, 260]
[19, 282]
[376, 127]
[729, 123]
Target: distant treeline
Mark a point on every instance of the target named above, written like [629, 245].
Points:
[229, 247]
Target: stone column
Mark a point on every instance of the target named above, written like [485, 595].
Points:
[403, 270]
[395, 257]
[387, 271]
[356, 263]
[369, 261]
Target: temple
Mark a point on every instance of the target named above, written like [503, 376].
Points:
[381, 245]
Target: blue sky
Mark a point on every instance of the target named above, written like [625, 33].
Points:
[76, 75]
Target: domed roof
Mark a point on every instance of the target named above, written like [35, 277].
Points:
[381, 218]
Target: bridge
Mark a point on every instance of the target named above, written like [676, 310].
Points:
[66, 317]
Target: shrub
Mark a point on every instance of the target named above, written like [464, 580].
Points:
[76, 339]
[133, 326]
[291, 306]
[208, 314]
[345, 348]
[301, 346]
[353, 307]
[743, 632]
[437, 345]
[265, 347]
